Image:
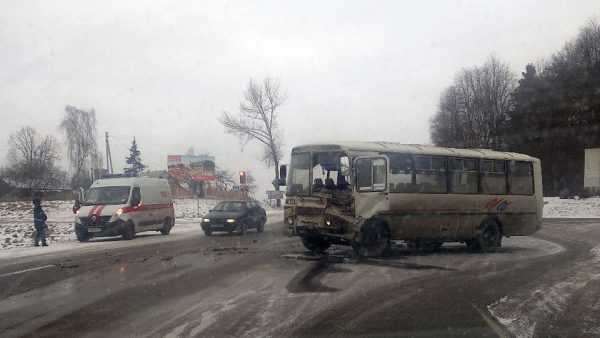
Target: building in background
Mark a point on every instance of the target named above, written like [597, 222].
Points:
[591, 181]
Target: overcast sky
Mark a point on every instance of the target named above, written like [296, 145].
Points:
[164, 71]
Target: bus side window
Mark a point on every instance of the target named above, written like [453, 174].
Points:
[493, 177]
[463, 176]
[401, 173]
[431, 174]
[521, 178]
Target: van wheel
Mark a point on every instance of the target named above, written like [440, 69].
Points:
[82, 235]
[488, 239]
[166, 229]
[372, 241]
[315, 243]
[129, 232]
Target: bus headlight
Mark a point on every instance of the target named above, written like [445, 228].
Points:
[290, 220]
[230, 220]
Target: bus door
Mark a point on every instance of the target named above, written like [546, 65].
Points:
[371, 194]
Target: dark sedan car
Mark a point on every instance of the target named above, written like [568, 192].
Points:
[235, 215]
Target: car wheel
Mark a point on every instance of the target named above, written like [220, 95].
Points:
[208, 232]
[243, 228]
[315, 243]
[166, 229]
[82, 235]
[261, 225]
[372, 241]
[129, 232]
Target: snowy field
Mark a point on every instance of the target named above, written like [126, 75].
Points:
[16, 226]
[16, 219]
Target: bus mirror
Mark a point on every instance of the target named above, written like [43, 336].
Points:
[344, 166]
[283, 172]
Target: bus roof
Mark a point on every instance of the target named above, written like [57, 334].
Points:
[351, 147]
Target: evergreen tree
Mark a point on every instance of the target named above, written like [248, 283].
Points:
[134, 160]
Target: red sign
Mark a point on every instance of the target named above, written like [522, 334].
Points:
[174, 158]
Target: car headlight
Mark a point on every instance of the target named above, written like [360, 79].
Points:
[116, 215]
[206, 220]
[230, 220]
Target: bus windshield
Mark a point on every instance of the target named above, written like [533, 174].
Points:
[107, 195]
[323, 168]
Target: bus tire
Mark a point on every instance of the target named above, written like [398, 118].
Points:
[488, 239]
[372, 241]
[315, 243]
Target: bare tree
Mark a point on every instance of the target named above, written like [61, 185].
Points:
[32, 160]
[257, 120]
[224, 179]
[190, 151]
[474, 111]
[79, 127]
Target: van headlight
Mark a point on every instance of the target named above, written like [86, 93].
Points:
[116, 215]
[230, 220]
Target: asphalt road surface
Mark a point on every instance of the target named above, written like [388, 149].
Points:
[264, 284]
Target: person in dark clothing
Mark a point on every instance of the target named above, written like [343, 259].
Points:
[39, 221]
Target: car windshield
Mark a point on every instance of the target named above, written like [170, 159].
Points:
[229, 206]
[107, 195]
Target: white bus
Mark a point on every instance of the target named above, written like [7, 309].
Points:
[367, 194]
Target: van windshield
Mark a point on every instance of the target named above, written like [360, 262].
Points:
[107, 195]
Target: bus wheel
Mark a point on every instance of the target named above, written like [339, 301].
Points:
[488, 239]
[315, 243]
[372, 241]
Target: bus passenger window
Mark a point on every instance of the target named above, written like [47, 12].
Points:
[493, 177]
[463, 176]
[521, 178]
[401, 173]
[431, 175]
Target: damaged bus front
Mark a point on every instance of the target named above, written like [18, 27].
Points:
[320, 205]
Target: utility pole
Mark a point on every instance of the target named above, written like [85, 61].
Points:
[108, 156]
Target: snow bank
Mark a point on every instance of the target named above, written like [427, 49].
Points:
[571, 208]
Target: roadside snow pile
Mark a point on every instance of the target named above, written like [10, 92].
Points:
[16, 219]
[555, 207]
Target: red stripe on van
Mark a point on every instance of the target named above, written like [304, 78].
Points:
[93, 210]
[145, 207]
[99, 211]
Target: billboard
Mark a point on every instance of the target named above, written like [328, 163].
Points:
[191, 167]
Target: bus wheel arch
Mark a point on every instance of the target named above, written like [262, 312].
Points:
[373, 239]
[488, 237]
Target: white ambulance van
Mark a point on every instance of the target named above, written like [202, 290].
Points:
[125, 206]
